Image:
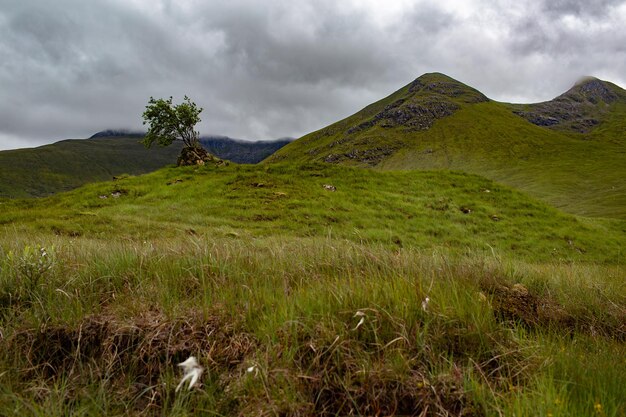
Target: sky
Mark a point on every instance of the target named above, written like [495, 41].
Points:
[275, 68]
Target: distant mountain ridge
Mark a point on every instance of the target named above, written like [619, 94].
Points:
[568, 151]
[241, 151]
[68, 164]
[111, 133]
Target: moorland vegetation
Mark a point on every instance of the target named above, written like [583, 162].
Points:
[300, 284]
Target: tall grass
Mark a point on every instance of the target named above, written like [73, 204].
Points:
[273, 320]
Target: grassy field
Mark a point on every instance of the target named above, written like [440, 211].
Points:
[424, 210]
[300, 300]
[581, 173]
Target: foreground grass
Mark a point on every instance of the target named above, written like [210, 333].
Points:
[299, 300]
[96, 327]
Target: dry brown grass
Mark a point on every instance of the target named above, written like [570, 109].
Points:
[131, 354]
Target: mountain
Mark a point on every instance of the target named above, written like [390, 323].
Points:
[580, 109]
[569, 152]
[242, 151]
[110, 133]
[68, 164]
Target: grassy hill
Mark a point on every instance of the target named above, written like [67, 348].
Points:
[416, 209]
[302, 290]
[309, 290]
[71, 163]
[569, 152]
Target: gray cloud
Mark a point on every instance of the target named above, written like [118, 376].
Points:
[264, 70]
[568, 27]
[596, 8]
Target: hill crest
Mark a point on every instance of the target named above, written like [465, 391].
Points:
[428, 98]
[580, 109]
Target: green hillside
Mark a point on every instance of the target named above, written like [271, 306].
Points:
[573, 158]
[309, 290]
[71, 163]
[414, 209]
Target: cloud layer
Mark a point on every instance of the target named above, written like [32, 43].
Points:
[282, 68]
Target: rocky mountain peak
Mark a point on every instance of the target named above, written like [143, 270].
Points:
[441, 84]
[591, 89]
[579, 109]
[430, 97]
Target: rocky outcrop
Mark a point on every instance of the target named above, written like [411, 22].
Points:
[579, 109]
[413, 115]
[369, 156]
[591, 90]
[195, 156]
[451, 89]
[429, 98]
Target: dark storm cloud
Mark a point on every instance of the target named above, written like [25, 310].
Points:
[277, 68]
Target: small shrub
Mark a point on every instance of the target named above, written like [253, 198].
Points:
[26, 273]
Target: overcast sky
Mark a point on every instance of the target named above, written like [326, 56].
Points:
[274, 68]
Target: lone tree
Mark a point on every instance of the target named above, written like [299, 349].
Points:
[168, 122]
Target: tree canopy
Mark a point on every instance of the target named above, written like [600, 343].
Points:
[168, 122]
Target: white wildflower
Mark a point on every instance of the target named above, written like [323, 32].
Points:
[361, 314]
[253, 369]
[192, 371]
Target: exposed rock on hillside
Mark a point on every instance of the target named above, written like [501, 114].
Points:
[592, 90]
[449, 88]
[579, 109]
[371, 156]
[412, 114]
[430, 97]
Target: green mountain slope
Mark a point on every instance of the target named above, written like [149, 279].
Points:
[418, 209]
[569, 152]
[71, 163]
